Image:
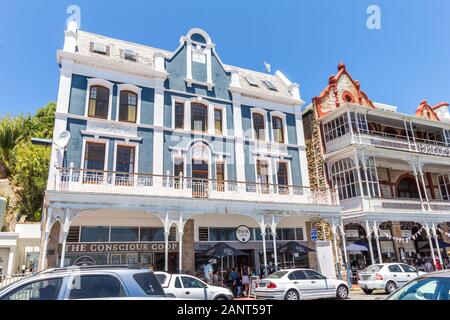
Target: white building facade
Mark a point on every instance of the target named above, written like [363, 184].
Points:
[391, 170]
[170, 153]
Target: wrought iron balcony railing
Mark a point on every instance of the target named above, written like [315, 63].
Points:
[86, 180]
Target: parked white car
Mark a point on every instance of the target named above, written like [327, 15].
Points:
[300, 284]
[184, 286]
[386, 276]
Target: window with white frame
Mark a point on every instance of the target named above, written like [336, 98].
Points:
[277, 129]
[178, 170]
[444, 186]
[199, 117]
[94, 162]
[125, 165]
[179, 115]
[259, 128]
[282, 177]
[262, 175]
[447, 136]
[344, 175]
[359, 122]
[128, 106]
[336, 128]
[371, 174]
[220, 176]
[98, 102]
[218, 121]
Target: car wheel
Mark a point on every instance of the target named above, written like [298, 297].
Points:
[390, 287]
[291, 295]
[221, 298]
[367, 291]
[342, 292]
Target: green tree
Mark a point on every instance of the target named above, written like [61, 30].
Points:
[10, 135]
[28, 164]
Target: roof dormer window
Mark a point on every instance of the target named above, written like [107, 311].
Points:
[252, 81]
[269, 84]
[129, 54]
[100, 48]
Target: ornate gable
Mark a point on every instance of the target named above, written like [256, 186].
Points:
[341, 89]
[429, 112]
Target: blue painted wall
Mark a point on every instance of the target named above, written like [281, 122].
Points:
[77, 101]
[145, 150]
[74, 148]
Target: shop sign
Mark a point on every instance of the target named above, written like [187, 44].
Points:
[107, 247]
[352, 233]
[85, 261]
[243, 234]
[433, 150]
[406, 234]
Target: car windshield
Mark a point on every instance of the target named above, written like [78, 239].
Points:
[149, 283]
[373, 268]
[277, 275]
[433, 288]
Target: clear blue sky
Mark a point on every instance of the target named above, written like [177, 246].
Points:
[406, 61]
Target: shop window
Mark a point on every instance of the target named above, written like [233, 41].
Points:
[203, 234]
[128, 106]
[124, 234]
[74, 234]
[299, 234]
[152, 234]
[98, 102]
[94, 234]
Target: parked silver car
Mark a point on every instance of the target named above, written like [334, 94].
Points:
[87, 282]
[386, 276]
[300, 284]
[430, 287]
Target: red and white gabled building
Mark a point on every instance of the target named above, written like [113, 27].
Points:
[392, 170]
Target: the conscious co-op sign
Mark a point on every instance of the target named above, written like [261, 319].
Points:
[433, 150]
[96, 247]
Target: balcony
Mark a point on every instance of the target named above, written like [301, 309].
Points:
[109, 182]
[395, 205]
[390, 141]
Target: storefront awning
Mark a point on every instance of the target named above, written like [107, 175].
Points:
[442, 244]
[222, 249]
[359, 245]
[295, 247]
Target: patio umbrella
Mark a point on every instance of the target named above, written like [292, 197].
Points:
[358, 246]
[221, 250]
[442, 244]
[293, 247]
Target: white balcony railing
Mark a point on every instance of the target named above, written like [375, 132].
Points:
[79, 180]
[391, 141]
[395, 205]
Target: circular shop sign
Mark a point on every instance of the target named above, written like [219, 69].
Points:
[84, 261]
[243, 234]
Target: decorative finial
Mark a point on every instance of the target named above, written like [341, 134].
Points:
[267, 65]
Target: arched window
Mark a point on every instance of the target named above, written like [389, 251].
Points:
[407, 188]
[277, 126]
[344, 175]
[258, 126]
[98, 102]
[199, 117]
[128, 106]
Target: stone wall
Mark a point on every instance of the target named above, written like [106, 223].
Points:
[314, 150]
[388, 179]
